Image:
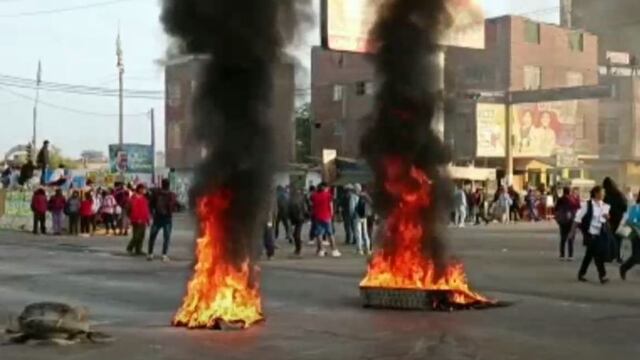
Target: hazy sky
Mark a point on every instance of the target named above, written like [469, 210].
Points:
[78, 47]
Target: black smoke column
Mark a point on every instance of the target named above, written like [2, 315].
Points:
[407, 33]
[244, 40]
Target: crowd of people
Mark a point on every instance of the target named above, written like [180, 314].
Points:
[112, 210]
[321, 207]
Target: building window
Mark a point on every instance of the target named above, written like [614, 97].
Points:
[602, 133]
[576, 41]
[338, 92]
[531, 32]
[575, 78]
[581, 132]
[338, 129]
[365, 88]
[609, 131]
[476, 75]
[532, 77]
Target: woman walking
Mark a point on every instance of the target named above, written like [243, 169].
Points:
[591, 218]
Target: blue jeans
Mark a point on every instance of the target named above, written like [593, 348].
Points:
[166, 225]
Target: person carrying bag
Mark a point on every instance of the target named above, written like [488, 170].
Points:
[591, 219]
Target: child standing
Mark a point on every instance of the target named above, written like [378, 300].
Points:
[86, 214]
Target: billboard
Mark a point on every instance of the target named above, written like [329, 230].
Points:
[490, 130]
[544, 129]
[131, 158]
[346, 24]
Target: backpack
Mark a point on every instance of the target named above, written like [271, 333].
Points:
[585, 224]
[163, 204]
[361, 208]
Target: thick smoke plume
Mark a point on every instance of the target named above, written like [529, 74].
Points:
[407, 34]
[244, 39]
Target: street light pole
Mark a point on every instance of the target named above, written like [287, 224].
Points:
[508, 176]
[153, 145]
[120, 66]
[34, 139]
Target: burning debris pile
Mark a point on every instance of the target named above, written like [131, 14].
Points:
[411, 270]
[244, 40]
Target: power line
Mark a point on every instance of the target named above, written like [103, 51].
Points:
[65, 108]
[62, 10]
[24, 83]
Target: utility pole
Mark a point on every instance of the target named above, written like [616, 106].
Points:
[508, 175]
[152, 118]
[35, 110]
[120, 66]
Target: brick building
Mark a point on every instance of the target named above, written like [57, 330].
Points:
[342, 95]
[521, 54]
[181, 80]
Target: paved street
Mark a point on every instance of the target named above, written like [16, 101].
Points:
[313, 307]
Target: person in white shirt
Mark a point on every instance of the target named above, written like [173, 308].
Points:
[595, 214]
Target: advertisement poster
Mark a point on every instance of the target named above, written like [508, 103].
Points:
[544, 129]
[491, 137]
[131, 158]
[347, 24]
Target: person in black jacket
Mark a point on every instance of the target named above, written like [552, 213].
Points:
[297, 216]
[618, 202]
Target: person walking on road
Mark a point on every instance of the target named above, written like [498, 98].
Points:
[633, 221]
[297, 216]
[322, 202]
[122, 195]
[57, 204]
[73, 212]
[564, 215]
[282, 216]
[163, 204]
[503, 205]
[140, 217]
[39, 207]
[618, 202]
[590, 219]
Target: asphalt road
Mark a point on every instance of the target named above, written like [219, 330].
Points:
[313, 309]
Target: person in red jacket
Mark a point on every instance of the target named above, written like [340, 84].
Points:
[39, 207]
[86, 214]
[57, 204]
[139, 216]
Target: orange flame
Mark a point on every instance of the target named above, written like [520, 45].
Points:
[402, 264]
[219, 291]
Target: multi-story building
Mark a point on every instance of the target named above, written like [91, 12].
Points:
[619, 127]
[342, 95]
[181, 78]
[521, 54]
[615, 22]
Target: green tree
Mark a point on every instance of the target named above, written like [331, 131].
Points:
[56, 159]
[303, 133]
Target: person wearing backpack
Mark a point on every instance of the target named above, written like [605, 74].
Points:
[362, 211]
[73, 212]
[163, 205]
[591, 219]
[564, 215]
